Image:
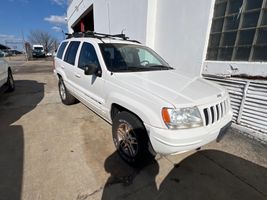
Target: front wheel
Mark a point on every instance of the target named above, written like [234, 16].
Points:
[10, 82]
[130, 138]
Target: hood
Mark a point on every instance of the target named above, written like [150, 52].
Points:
[172, 86]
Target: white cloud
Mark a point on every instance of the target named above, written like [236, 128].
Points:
[59, 2]
[6, 36]
[11, 41]
[57, 29]
[55, 19]
[22, 1]
[9, 38]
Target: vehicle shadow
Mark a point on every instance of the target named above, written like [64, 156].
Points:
[12, 107]
[208, 174]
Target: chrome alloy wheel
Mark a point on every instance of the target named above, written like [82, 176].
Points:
[126, 140]
[62, 91]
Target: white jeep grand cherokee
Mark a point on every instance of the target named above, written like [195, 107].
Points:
[152, 107]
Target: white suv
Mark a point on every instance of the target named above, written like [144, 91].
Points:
[152, 107]
[6, 78]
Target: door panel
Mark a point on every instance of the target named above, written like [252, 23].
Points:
[90, 86]
[68, 65]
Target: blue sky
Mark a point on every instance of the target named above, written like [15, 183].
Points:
[19, 17]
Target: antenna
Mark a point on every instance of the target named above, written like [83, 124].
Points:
[123, 31]
[109, 29]
[63, 33]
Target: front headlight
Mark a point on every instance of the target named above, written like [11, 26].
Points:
[182, 118]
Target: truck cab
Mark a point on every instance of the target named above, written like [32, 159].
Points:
[38, 51]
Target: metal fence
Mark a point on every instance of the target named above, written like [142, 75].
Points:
[249, 104]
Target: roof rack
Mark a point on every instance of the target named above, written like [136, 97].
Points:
[92, 34]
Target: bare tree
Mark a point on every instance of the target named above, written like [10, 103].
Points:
[43, 38]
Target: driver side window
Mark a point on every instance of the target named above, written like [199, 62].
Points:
[87, 56]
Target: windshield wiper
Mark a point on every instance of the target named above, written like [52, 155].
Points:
[163, 67]
[131, 69]
[142, 68]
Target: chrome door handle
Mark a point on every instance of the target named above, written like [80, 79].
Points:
[62, 67]
[78, 75]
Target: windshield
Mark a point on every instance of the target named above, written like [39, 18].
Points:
[130, 57]
[38, 48]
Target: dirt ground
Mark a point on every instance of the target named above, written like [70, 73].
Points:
[52, 151]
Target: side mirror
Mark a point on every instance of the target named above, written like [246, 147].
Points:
[92, 69]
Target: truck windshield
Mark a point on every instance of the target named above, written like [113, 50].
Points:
[38, 48]
[130, 57]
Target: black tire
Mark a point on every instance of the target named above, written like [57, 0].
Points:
[10, 82]
[64, 94]
[134, 147]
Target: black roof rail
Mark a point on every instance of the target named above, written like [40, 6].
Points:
[97, 35]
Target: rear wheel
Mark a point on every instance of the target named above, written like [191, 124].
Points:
[65, 96]
[130, 138]
[10, 82]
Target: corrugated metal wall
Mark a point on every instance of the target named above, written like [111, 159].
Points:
[249, 104]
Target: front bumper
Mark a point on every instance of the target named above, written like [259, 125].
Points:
[166, 141]
[38, 54]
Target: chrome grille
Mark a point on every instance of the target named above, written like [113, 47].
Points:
[214, 113]
[236, 91]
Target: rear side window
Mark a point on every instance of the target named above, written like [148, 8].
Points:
[61, 49]
[87, 56]
[71, 52]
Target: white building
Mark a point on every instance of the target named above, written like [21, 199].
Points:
[224, 40]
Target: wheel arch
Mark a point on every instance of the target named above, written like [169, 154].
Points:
[116, 108]
[146, 114]
[59, 75]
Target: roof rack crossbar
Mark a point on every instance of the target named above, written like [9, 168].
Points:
[97, 35]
